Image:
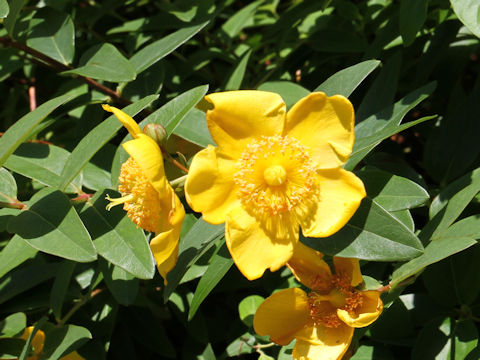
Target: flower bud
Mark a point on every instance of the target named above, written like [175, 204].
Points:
[157, 132]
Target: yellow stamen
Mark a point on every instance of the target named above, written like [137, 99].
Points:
[341, 296]
[139, 198]
[117, 201]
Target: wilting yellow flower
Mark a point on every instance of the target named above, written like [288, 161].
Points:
[37, 345]
[147, 196]
[324, 319]
[274, 172]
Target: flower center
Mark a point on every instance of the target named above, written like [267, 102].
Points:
[276, 175]
[139, 198]
[341, 295]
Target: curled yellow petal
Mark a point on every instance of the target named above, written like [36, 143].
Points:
[282, 315]
[349, 268]
[125, 119]
[209, 187]
[308, 267]
[148, 156]
[367, 313]
[325, 125]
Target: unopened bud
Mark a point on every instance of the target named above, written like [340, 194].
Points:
[157, 132]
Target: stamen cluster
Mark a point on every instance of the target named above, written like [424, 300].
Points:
[340, 291]
[143, 205]
[265, 157]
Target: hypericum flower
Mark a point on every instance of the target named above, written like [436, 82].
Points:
[147, 196]
[37, 345]
[324, 319]
[274, 172]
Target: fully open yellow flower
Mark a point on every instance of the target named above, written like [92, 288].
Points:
[147, 196]
[324, 319]
[274, 172]
[37, 343]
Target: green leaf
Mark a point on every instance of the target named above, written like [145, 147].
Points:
[345, 81]
[468, 227]
[466, 339]
[413, 14]
[61, 341]
[405, 217]
[8, 186]
[381, 93]
[4, 9]
[12, 17]
[237, 22]
[156, 51]
[373, 130]
[95, 178]
[193, 127]
[371, 234]
[21, 130]
[453, 281]
[450, 203]
[53, 34]
[95, 140]
[393, 192]
[116, 237]
[217, 269]
[467, 11]
[53, 226]
[248, 307]
[123, 285]
[105, 62]
[43, 163]
[169, 115]
[19, 281]
[433, 341]
[16, 252]
[60, 287]
[13, 325]
[289, 91]
[193, 245]
[11, 348]
[435, 251]
[234, 81]
[445, 338]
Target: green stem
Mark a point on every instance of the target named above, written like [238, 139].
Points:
[178, 181]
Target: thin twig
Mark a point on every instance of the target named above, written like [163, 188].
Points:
[59, 67]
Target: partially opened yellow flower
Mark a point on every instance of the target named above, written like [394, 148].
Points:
[274, 172]
[37, 343]
[147, 196]
[324, 319]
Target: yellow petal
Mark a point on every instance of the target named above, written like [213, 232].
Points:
[209, 188]
[238, 117]
[37, 341]
[165, 244]
[349, 268]
[282, 315]
[72, 356]
[125, 119]
[325, 125]
[367, 313]
[148, 156]
[308, 267]
[252, 250]
[323, 343]
[341, 193]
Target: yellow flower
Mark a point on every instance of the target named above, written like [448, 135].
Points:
[324, 319]
[37, 345]
[148, 198]
[274, 172]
